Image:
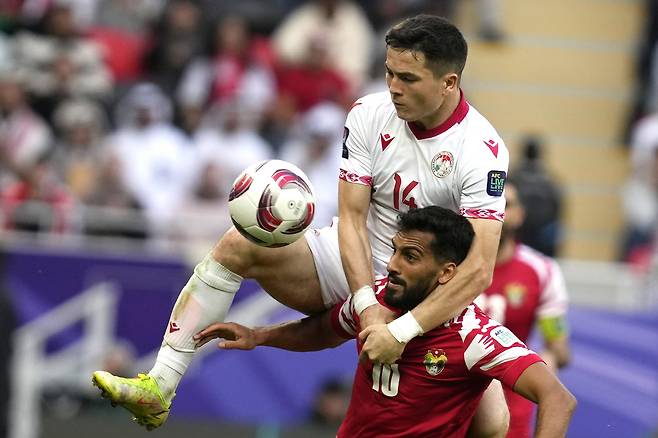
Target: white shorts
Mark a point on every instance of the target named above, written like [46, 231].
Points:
[326, 256]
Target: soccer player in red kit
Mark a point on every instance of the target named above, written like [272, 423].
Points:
[528, 289]
[435, 387]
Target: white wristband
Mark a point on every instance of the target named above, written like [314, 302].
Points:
[364, 298]
[405, 328]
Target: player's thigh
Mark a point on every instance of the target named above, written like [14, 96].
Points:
[491, 418]
[288, 273]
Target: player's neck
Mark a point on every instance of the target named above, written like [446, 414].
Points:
[444, 112]
[506, 250]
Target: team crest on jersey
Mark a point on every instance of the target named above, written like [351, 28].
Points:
[442, 164]
[515, 293]
[435, 361]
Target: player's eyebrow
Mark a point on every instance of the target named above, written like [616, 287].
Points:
[405, 74]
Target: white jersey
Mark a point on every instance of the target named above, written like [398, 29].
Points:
[460, 165]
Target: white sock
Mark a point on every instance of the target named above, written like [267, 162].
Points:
[169, 369]
[205, 299]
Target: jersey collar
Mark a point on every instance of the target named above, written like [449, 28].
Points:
[456, 117]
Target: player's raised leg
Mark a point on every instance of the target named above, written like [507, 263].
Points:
[287, 273]
[491, 419]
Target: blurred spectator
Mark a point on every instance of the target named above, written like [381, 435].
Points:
[315, 152]
[313, 79]
[9, 14]
[111, 209]
[344, 27]
[81, 126]
[5, 50]
[646, 71]
[237, 69]
[121, 29]
[233, 146]
[38, 202]
[24, 136]
[60, 62]
[330, 404]
[156, 159]
[542, 198]
[204, 214]
[177, 38]
[262, 15]
[491, 22]
[132, 16]
[640, 193]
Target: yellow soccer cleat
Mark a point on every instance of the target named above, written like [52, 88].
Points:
[140, 395]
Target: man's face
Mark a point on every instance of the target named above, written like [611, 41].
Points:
[416, 91]
[514, 213]
[412, 269]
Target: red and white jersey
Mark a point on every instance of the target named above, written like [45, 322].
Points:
[460, 165]
[435, 387]
[528, 287]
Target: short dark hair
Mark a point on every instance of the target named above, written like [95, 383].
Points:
[443, 45]
[453, 233]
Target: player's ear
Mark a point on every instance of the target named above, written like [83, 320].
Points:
[451, 82]
[446, 272]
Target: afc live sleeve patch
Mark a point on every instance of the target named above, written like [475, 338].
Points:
[496, 182]
[346, 133]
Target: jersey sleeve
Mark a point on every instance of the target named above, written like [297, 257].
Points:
[356, 162]
[343, 320]
[483, 180]
[554, 299]
[492, 350]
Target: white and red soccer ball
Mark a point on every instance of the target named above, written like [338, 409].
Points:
[272, 203]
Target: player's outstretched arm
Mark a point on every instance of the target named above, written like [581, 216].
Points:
[308, 334]
[555, 403]
[355, 252]
[557, 346]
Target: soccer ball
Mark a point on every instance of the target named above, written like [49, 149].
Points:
[272, 203]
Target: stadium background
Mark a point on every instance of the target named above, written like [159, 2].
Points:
[86, 299]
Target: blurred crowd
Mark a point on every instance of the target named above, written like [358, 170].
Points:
[132, 117]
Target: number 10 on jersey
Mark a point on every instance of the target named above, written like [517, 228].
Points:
[386, 379]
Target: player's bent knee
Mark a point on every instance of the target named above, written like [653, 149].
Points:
[236, 253]
[492, 418]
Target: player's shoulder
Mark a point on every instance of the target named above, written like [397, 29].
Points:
[373, 104]
[481, 138]
[472, 318]
[534, 259]
[473, 325]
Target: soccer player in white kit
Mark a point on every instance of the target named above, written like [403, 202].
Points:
[419, 144]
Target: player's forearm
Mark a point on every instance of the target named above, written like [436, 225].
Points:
[355, 253]
[443, 303]
[309, 334]
[554, 414]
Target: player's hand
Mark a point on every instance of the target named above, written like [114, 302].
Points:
[234, 336]
[379, 345]
[375, 314]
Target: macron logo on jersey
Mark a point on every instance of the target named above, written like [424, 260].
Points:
[386, 140]
[493, 147]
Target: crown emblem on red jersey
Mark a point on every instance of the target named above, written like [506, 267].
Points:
[435, 361]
